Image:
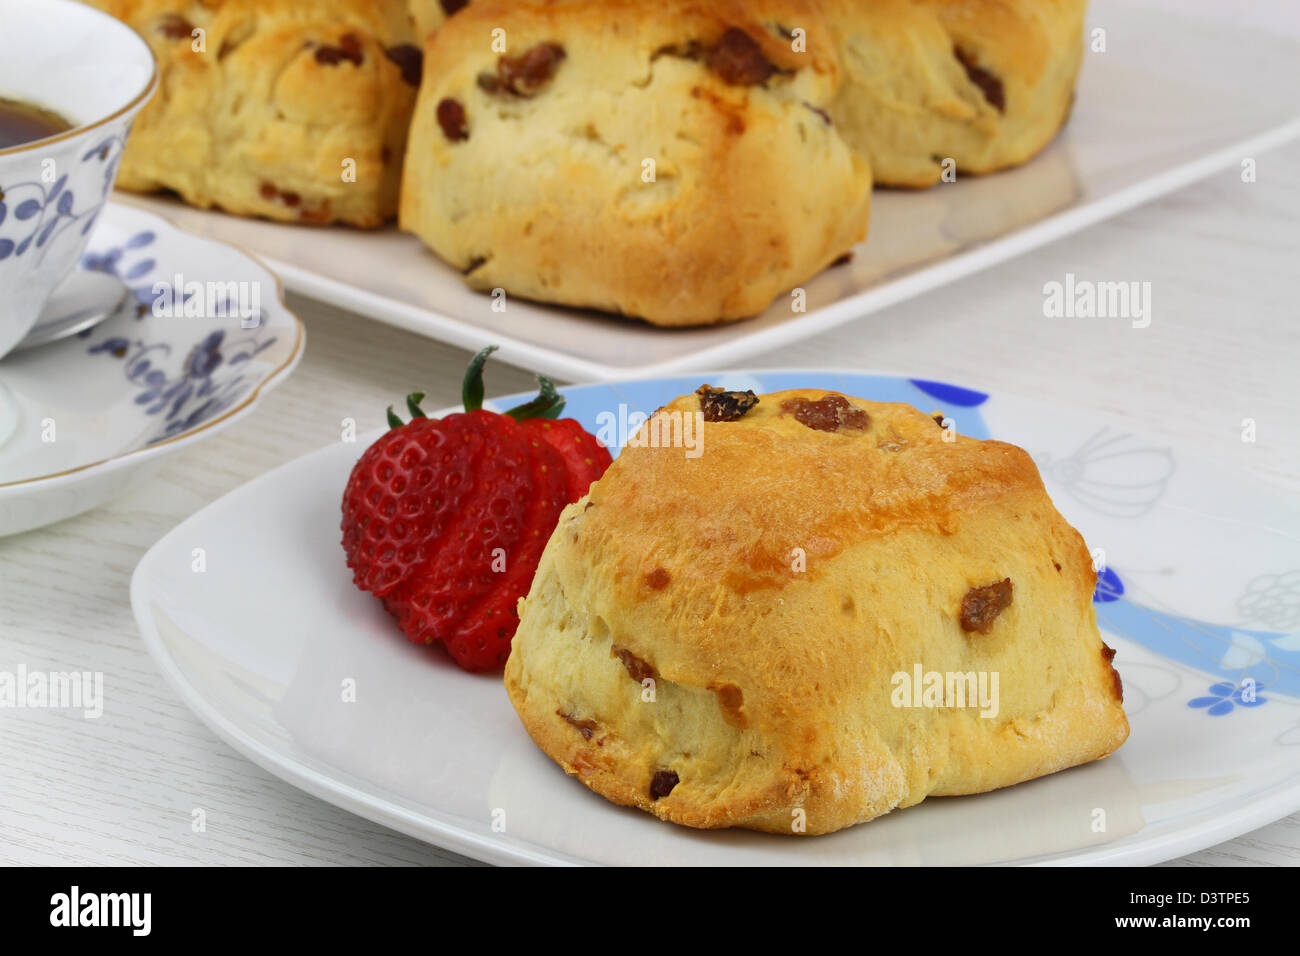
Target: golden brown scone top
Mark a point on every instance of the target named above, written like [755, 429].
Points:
[733, 526]
[830, 488]
[657, 26]
[390, 21]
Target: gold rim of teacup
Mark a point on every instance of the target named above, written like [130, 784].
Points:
[138, 101]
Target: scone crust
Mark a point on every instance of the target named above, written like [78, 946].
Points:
[256, 123]
[773, 684]
[753, 188]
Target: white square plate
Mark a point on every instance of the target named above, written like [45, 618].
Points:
[1171, 100]
[1198, 597]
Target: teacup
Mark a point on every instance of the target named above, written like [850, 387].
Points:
[96, 73]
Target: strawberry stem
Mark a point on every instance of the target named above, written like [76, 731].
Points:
[547, 404]
[471, 391]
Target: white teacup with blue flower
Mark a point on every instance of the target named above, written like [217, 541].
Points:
[75, 78]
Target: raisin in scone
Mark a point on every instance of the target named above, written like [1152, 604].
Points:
[984, 83]
[295, 110]
[673, 161]
[718, 638]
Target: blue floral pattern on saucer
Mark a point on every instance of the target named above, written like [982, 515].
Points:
[196, 393]
[148, 381]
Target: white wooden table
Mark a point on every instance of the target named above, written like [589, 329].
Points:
[1223, 258]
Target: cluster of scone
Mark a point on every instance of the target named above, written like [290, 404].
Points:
[716, 637]
[684, 161]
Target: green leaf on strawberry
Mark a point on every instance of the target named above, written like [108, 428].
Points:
[547, 404]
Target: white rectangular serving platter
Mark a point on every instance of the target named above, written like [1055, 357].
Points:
[1170, 100]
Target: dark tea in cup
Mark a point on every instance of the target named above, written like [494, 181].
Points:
[22, 123]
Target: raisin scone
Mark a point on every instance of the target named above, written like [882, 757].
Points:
[983, 83]
[295, 110]
[673, 161]
[733, 637]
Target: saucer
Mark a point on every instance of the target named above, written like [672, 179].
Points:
[203, 334]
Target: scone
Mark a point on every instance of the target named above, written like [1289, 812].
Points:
[428, 15]
[673, 161]
[746, 635]
[984, 83]
[295, 110]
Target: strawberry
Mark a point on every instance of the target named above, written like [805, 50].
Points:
[445, 519]
[585, 458]
[495, 539]
[402, 493]
[490, 625]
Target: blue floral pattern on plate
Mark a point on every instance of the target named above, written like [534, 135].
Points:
[951, 394]
[1267, 657]
[1225, 697]
[1109, 587]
